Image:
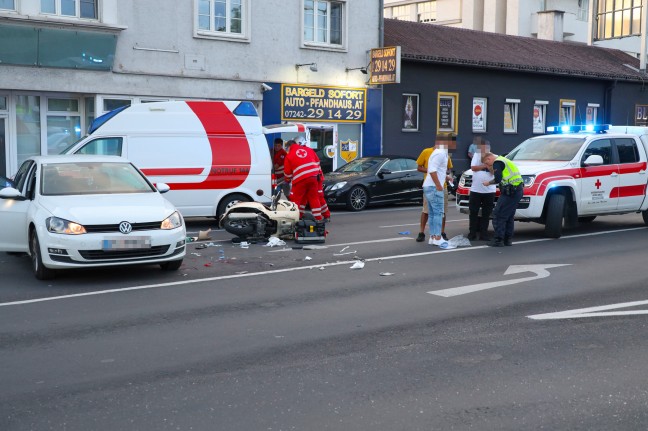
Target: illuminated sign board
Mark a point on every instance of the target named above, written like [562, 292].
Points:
[385, 65]
[323, 103]
[641, 115]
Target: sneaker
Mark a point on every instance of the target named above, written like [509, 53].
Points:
[496, 242]
[432, 241]
[443, 235]
[327, 220]
[508, 242]
[437, 241]
[420, 237]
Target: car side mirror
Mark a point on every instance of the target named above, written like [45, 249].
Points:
[383, 172]
[162, 187]
[11, 193]
[593, 160]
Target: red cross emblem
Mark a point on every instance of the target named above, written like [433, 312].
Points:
[301, 153]
[597, 184]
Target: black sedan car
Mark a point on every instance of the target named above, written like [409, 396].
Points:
[374, 180]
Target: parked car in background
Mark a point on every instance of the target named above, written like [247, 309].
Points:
[374, 180]
[88, 211]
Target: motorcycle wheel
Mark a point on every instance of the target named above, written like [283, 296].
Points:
[239, 227]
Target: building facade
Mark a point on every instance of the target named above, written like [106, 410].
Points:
[502, 88]
[65, 62]
[607, 23]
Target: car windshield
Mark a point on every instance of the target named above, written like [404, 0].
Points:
[360, 165]
[554, 148]
[91, 178]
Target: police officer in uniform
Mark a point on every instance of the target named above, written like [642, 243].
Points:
[507, 175]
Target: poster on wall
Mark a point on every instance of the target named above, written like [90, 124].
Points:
[641, 115]
[479, 115]
[538, 120]
[508, 118]
[410, 112]
[447, 112]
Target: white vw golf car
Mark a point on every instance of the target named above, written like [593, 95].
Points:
[83, 211]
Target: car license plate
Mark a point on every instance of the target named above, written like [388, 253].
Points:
[132, 242]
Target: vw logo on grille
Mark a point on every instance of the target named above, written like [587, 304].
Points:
[125, 227]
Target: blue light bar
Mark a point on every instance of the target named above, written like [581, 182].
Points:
[576, 128]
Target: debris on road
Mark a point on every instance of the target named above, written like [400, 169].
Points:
[203, 235]
[385, 274]
[273, 241]
[308, 258]
[358, 265]
[404, 232]
[348, 252]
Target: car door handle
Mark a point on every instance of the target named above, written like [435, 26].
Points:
[614, 174]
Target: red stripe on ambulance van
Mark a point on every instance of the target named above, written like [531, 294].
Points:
[231, 158]
[628, 191]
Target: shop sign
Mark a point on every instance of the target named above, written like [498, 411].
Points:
[447, 112]
[641, 115]
[385, 65]
[349, 150]
[479, 114]
[323, 103]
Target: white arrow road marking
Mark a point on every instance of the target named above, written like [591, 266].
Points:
[540, 271]
[593, 312]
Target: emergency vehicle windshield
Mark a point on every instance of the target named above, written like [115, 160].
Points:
[547, 148]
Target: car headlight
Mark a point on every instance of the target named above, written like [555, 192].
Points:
[60, 225]
[528, 180]
[172, 222]
[338, 186]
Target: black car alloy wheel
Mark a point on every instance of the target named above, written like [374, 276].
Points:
[357, 200]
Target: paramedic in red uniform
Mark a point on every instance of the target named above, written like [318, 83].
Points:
[278, 162]
[326, 213]
[301, 168]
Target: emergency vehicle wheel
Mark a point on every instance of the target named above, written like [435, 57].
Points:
[588, 219]
[357, 199]
[555, 215]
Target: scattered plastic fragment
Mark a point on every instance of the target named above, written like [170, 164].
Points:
[273, 241]
[196, 254]
[342, 251]
[244, 244]
[321, 268]
[221, 255]
[190, 239]
[385, 274]
[308, 258]
[314, 247]
[404, 232]
[358, 265]
[208, 264]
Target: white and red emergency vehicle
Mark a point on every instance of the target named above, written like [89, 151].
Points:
[211, 153]
[577, 173]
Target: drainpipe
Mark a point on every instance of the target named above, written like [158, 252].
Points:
[381, 42]
[607, 102]
[642, 52]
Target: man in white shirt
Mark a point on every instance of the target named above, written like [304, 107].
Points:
[433, 185]
[481, 196]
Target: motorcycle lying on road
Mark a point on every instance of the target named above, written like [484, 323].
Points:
[255, 221]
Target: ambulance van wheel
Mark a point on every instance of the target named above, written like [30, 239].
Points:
[555, 215]
[228, 201]
[645, 216]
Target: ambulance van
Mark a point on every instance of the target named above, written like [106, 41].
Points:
[211, 153]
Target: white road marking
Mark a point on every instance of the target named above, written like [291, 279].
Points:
[540, 271]
[593, 312]
[417, 224]
[299, 268]
[323, 247]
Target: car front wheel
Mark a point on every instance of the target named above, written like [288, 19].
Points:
[357, 199]
[40, 271]
[174, 265]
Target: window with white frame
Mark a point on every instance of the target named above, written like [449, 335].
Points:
[323, 22]
[540, 116]
[72, 8]
[403, 13]
[222, 17]
[511, 115]
[8, 4]
[63, 124]
[427, 11]
[583, 10]
[591, 113]
[567, 114]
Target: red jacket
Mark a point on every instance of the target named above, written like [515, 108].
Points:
[278, 162]
[301, 163]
